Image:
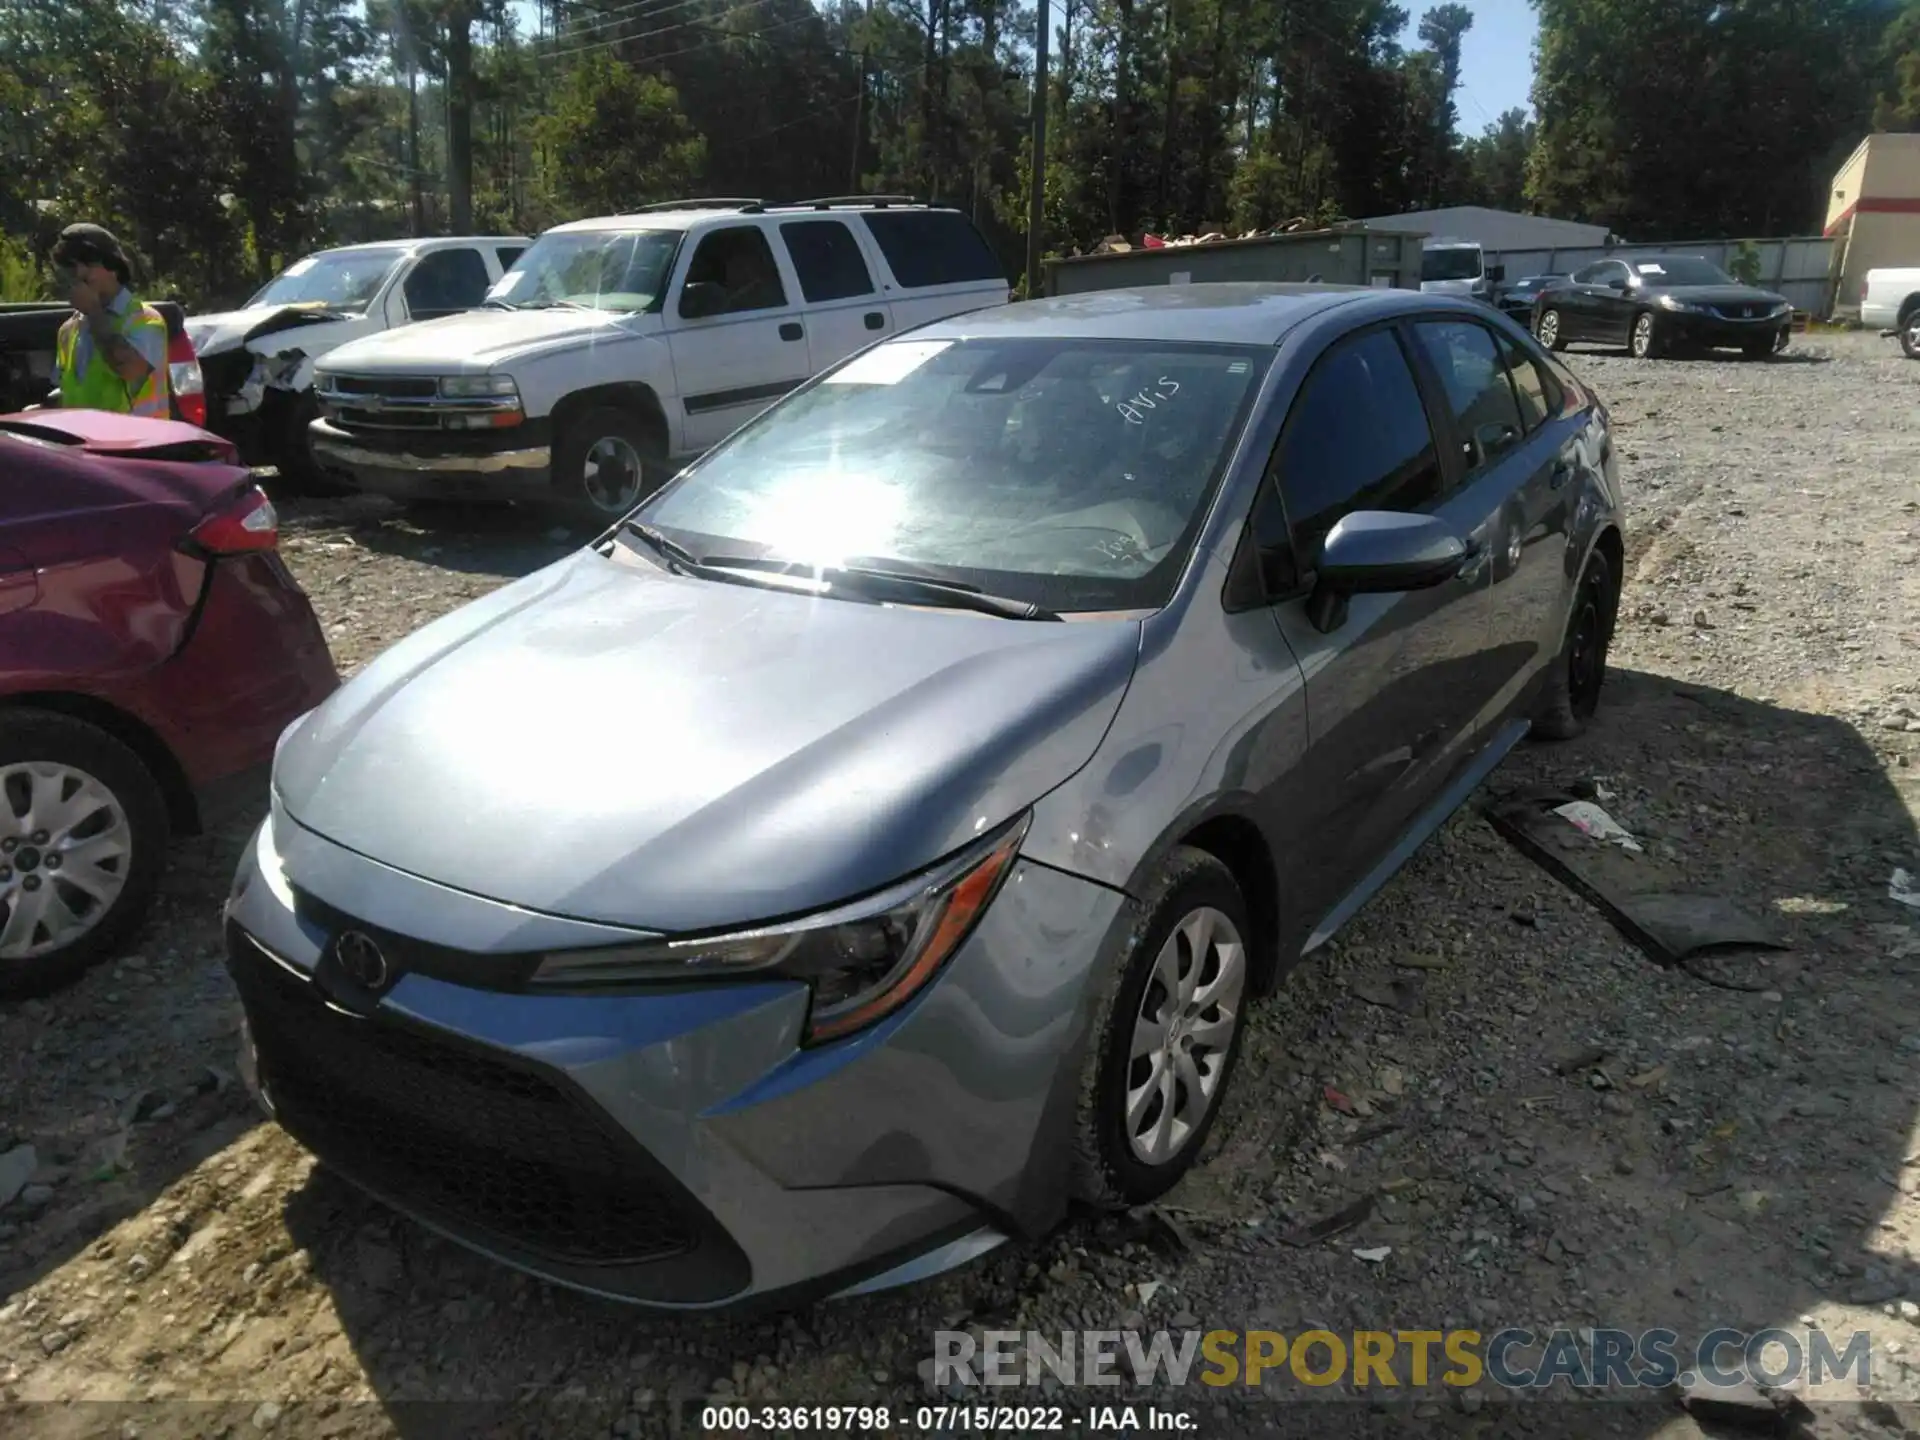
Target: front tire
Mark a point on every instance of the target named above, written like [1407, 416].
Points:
[1165, 1035]
[1910, 334]
[1580, 669]
[1644, 341]
[607, 461]
[1550, 330]
[83, 834]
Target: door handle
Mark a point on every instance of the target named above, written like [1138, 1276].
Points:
[876, 320]
[791, 330]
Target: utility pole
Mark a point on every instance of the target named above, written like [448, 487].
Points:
[859, 127]
[1037, 200]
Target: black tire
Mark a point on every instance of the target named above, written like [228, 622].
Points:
[592, 481]
[1910, 333]
[1579, 672]
[1108, 1174]
[292, 453]
[33, 735]
[1549, 329]
[1645, 341]
[1759, 349]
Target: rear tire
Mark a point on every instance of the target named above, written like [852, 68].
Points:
[1549, 330]
[1572, 694]
[1910, 333]
[1164, 1035]
[83, 836]
[606, 462]
[1644, 340]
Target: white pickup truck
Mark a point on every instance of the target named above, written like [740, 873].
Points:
[618, 349]
[1890, 303]
[258, 361]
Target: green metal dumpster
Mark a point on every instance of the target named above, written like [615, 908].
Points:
[1348, 255]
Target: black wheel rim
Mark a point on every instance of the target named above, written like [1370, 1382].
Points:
[1587, 651]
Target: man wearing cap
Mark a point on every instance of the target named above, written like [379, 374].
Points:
[112, 352]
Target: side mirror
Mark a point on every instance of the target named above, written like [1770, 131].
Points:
[1375, 552]
[1616, 283]
[701, 299]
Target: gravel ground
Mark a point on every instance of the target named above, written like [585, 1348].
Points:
[1554, 1129]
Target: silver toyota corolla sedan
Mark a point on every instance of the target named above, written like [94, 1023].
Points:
[872, 845]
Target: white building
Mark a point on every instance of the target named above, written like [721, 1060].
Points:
[1495, 229]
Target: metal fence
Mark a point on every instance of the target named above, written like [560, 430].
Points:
[1800, 268]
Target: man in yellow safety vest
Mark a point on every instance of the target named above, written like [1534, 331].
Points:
[112, 352]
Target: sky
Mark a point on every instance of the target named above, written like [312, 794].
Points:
[1496, 60]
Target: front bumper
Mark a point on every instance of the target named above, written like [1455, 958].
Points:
[513, 464]
[1721, 332]
[674, 1147]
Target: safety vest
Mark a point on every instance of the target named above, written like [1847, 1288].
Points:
[98, 387]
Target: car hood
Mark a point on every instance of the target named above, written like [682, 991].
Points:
[607, 742]
[1720, 294]
[476, 339]
[318, 326]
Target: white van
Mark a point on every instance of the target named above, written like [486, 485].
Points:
[1458, 267]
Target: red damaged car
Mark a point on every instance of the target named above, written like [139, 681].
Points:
[153, 647]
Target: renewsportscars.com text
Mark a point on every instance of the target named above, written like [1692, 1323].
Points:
[1512, 1358]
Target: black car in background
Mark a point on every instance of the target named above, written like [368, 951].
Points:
[1517, 299]
[1656, 304]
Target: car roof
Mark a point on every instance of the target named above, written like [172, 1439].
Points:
[423, 242]
[1231, 313]
[733, 214]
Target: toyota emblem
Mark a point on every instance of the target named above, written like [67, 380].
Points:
[361, 959]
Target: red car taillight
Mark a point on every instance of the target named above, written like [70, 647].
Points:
[184, 380]
[246, 524]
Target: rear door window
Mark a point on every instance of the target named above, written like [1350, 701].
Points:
[508, 254]
[933, 247]
[1486, 415]
[828, 260]
[1532, 386]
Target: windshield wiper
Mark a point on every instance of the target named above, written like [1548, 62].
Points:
[498, 305]
[899, 586]
[871, 584]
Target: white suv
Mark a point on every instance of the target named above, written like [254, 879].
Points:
[618, 349]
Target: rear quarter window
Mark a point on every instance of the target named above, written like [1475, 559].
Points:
[933, 247]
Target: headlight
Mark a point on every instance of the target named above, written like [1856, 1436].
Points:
[1785, 307]
[863, 961]
[1668, 302]
[474, 387]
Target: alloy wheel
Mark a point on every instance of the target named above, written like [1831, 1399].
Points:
[613, 476]
[1642, 343]
[1549, 332]
[1183, 1035]
[66, 850]
[1910, 338]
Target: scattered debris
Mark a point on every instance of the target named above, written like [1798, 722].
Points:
[1374, 1254]
[1574, 1061]
[1650, 1078]
[1336, 1100]
[1590, 820]
[1901, 888]
[1407, 995]
[1328, 1226]
[1752, 1407]
[1667, 924]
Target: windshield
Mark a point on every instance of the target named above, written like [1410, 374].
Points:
[340, 280]
[1458, 264]
[1681, 270]
[1071, 474]
[603, 269]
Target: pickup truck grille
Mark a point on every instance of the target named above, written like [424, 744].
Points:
[400, 403]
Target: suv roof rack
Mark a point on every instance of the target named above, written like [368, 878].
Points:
[879, 202]
[706, 202]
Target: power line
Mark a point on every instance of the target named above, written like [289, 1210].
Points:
[723, 37]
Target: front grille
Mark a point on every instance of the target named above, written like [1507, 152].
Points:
[387, 387]
[351, 418]
[449, 1129]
